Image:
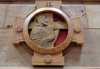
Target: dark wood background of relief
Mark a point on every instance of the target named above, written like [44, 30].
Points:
[64, 1]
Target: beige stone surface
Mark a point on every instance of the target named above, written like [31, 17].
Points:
[17, 10]
[3, 8]
[93, 12]
[76, 56]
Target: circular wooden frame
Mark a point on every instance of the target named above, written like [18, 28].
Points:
[35, 46]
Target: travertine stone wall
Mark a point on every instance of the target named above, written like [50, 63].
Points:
[19, 56]
[93, 14]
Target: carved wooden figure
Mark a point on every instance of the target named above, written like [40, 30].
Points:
[48, 31]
